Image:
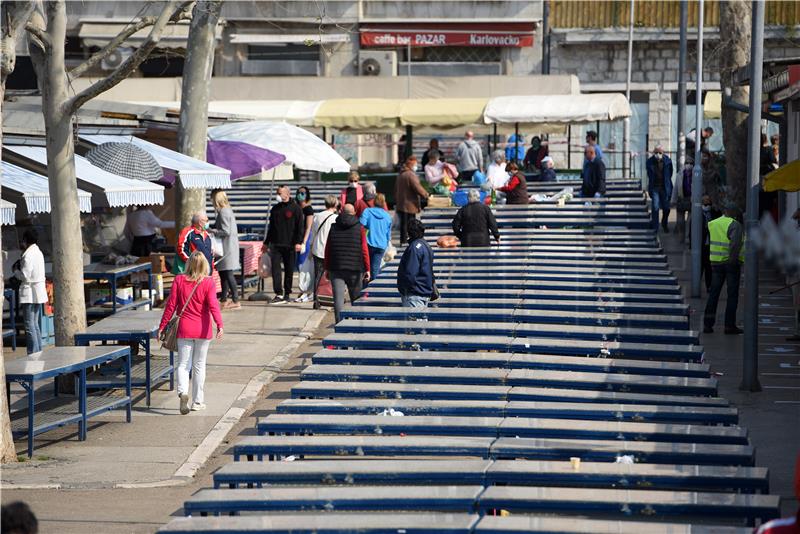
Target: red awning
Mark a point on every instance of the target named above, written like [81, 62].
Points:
[513, 35]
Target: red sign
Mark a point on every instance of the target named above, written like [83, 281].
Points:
[448, 35]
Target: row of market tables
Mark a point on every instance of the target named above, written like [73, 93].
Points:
[555, 387]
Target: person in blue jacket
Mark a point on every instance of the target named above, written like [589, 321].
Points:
[378, 223]
[659, 186]
[415, 273]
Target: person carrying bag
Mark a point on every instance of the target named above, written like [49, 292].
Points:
[190, 331]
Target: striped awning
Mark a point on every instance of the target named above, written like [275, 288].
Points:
[7, 215]
[34, 189]
[114, 191]
[192, 173]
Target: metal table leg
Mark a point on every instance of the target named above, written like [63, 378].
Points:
[147, 370]
[128, 386]
[82, 405]
[29, 386]
[113, 280]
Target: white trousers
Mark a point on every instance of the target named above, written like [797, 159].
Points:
[192, 353]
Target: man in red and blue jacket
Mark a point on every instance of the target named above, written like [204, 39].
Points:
[191, 238]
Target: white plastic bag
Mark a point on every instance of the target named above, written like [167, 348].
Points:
[265, 266]
[305, 275]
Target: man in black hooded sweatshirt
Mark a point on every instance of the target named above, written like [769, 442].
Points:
[346, 258]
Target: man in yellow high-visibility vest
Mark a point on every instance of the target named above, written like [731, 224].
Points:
[726, 236]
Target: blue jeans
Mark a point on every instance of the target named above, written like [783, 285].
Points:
[660, 202]
[375, 259]
[32, 315]
[414, 301]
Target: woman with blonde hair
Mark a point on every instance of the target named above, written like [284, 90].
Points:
[226, 230]
[193, 299]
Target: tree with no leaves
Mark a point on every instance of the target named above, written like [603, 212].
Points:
[734, 53]
[46, 26]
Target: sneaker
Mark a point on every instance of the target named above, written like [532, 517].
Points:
[733, 330]
[197, 406]
[278, 299]
[708, 330]
[303, 298]
[184, 397]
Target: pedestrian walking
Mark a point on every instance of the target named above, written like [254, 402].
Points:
[659, 187]
[469, 158]
[474, 222]
[320, 230]
[415, 280]
[727, 254]
[353, 193]
[29, 270]
[407, 196]
[227, 231]
[378, 224]
[591, 140]
[305, 263]
[283, 241]
[516, 190]
[194, 238]
[594, 174]
[194, 299]
[346, 258]
[141, 226]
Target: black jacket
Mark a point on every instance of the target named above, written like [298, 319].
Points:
[594, 178]
[286, 225]
[473, 223]
[344, 250]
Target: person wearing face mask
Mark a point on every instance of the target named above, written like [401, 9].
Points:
[192, 238]
[353, 193]
[407, 195]
[659, 186]
[284, 239]
[305, 264]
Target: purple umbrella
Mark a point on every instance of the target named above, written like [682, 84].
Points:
[242, 159]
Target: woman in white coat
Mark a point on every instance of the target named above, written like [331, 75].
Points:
[32, 292]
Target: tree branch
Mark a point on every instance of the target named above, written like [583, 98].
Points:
[174, 9]
[112, 45]
[40, 35]
[118, 41]
[16, 17]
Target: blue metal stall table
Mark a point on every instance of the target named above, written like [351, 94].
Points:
[131, 326]
[61, 411]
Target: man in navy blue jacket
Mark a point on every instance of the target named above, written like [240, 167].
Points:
[415, 273]
[659, 186]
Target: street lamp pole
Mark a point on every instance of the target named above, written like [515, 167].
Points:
[750, 352]
[697, 172]
[682, 90]
[626, 123]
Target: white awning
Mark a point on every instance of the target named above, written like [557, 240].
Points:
[7, 215]
[34, 189]
[100, 34]
[556, 109]
[119, 192]
[297, 112]
[289, 38]
[193, 173]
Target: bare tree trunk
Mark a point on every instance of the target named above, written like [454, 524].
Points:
[48, 35]
[734, 52]
[195, 90]
[14, 17]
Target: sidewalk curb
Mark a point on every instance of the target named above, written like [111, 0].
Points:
[241, 406]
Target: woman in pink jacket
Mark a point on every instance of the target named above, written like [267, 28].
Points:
[194, 298]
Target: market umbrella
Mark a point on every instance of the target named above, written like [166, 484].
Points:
[302, 148]
[785, 178]
[242, 159]
[126, 159]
